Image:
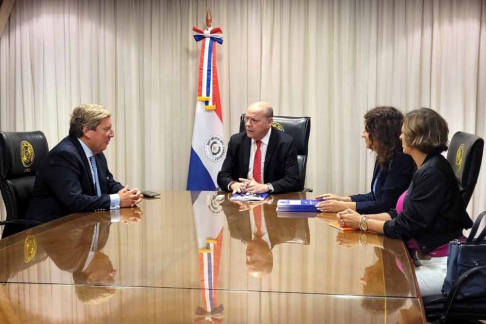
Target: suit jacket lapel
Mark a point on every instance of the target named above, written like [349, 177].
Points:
[272, 146]
[246, 226]
[82, 155]
[246, 155]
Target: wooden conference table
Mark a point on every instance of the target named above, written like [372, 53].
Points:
[190, 258]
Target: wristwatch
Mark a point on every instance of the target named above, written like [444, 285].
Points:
[270, 187]
[363, 223]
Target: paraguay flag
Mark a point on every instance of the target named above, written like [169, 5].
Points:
[209, 221]
[208, 146]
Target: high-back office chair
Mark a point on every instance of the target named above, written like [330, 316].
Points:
[20, 157]
[299, 129]
[465, 155]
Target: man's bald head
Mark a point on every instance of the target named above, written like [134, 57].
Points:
[259, 258]
[258, 119]
[262, 106]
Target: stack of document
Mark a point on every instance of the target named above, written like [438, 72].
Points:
[248, 197]
[297, 205]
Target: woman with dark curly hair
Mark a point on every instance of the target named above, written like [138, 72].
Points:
[430, 213]
[393, 169]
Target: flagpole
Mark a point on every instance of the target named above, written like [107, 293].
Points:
[208, 146]
[209, 20]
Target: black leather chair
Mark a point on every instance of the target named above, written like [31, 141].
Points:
[20, 157]
[299, 129]
[465, 155]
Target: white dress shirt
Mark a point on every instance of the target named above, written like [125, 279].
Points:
[263, 229]
[263, 151]
[114, 198]
[115, 218]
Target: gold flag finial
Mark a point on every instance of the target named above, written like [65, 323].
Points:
[209, 19]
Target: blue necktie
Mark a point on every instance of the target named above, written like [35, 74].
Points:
[95, 173]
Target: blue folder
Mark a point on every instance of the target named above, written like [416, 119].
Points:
[297, 205]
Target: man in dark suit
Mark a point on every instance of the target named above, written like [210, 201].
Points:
[261, 159]
[74, 176]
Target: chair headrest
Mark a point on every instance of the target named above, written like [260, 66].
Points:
[21, 153]
[465, 155]
[297, 127]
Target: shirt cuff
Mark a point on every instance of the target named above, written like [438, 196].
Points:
[270, 187]
[115, 215]
[114, 201]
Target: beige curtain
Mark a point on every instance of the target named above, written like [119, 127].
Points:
[330, 60]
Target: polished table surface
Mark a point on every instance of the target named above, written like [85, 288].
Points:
[189, 257]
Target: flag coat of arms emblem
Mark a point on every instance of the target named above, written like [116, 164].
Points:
[208, 147]
[209, 221]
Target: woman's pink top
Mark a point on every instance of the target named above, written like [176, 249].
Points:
[441, 251]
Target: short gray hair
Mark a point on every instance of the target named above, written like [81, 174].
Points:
[268, 112]
[266, 107]
[89, 115]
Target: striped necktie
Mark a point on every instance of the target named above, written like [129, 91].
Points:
[95, 174]
[257, 215]
[257, 163]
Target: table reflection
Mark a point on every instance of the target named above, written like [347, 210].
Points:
[76, 248]
[256, 224]
[209, 222]
[387, 269]
[208, 259]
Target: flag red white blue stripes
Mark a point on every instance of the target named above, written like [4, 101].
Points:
[208, 146]
[209, 220]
